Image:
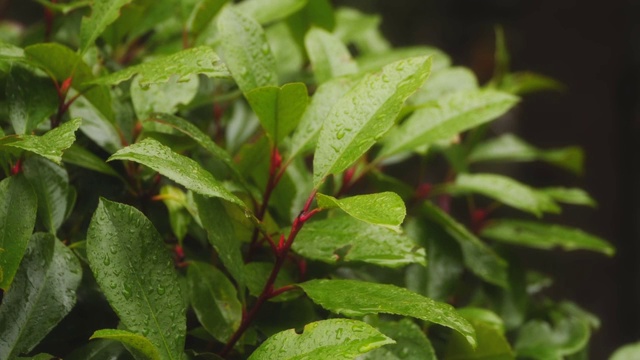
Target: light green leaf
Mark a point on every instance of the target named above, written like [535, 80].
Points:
[574, 196]
[478, 257]
[492, 343]
[509, 147]
[246, 51]
[627, 352]
[221, 234]
[11, 53]
[353, 26]
[279, 108]
[31, 99]
[100, 349]
[267, 11]
[525, 82]
[43, 293]
[505, 190]
[163, 98]
[344, 238]
[51, 185]
[214, 300]
[136, 274]
[446, 117]
[289, 54]
[179, 218]
[320, 340]
[179, 66]
[411, 342]
[65, 8]
[18, 207]
[541, 341]
[96, 126]
[386, 208]
[364, 114]
[377, 60]
[544, 236]
[358, 298]
[79, 156]
[61, 63]
[329, 57]
[138, 343]
[323, 100]
[202, 14]
[103, 13]
[444, 82]
[176, 167]
[52, 143]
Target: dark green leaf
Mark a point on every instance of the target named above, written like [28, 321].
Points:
[266, 11]
[79, 156]
[445, 117]
[521, 83]
[176, 167]
[214, 300]
[100, 349]
[246, 51]
[136, 274]
[544, 236]
[385, 209]
[541, 341]
[202, 14]
[179, 66]
[346, 239]
[505, 190]
[51, 144]
[18, 207]
[329, 57]
[478, 257]
[326, 339]
[279, 108]
[257, 273]
[43, 293]
[138, 343]
[51, 184]
[31, 99]
[103, 13]
[364, 114]
[411, 342]
[358, 298]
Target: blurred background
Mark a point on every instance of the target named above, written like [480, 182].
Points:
[594, 49]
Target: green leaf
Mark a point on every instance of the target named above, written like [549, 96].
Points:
[364, 114]
[377, 60]
[137, 342]
[525, 82]
[179, 218]
[52, 143]
[509, 147]
[103, 13]
[51, 184]
[329, 57]
[79, 156]
[544, 236]
[202, 14]
[627, 352]
[18, 207]
[444, 82]
[42, 356]
[64, 8]
[353, 26]
[100, 349]
[43, 293]
[505, 190]
[127, 256]
[267, 11]
[214, 300]
[164, 98]
[289, 54]
[385, 209]
[326, 95]
[246, 51]
[179, 66]
[176, 167]
[478, 257]
[541, 341]
[221, 234]
[574, 196]
[326, 339]
[492, 343]
[279, 108]
[31, 99]
[445, 117]
[62, 63]
[96, 126]
[358, 298]
[344, 238]
[411, 342]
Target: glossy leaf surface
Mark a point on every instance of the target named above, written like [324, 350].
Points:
[279, 108]
[103, 13]
[51, 185]
[138, 343]
[31, 99]
[346, 239]
[492, 343]
[544, 236]
[18, 208]
[136, 274]
[52, 143]
[411, 342]
[43, 293]
[176, 167]
[385, 209]
[326, 339]
[358, 298]
[540, 340]
[364, 114]
[329, 57]
[266, 11]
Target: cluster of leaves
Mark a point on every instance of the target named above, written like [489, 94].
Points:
[206, 179]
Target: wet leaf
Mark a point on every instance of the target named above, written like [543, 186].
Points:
[138, 343]
[136, 274]
[267, 11]
[411, 342]
[162, 97]
[52, 143]
[541, 340]
[79, 156]
[443, 82]
[31, 99]
[364, 114]
[326, 339]
[202, 14]
[359, 298]
[385, 209]
[103, 13]
[329, 57]
[574, 196]
[492, 343]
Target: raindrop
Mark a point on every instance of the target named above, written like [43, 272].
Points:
[113, 249]
[340, 134]
[160, 290]
[113, 285]
[265, 49]
[126, 291]
[106, 261]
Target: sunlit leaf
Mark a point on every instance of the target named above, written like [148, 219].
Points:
[52, 143]
[386, 209]
[138, 343]
[266, 11]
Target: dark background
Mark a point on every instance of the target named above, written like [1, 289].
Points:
[594, 49]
